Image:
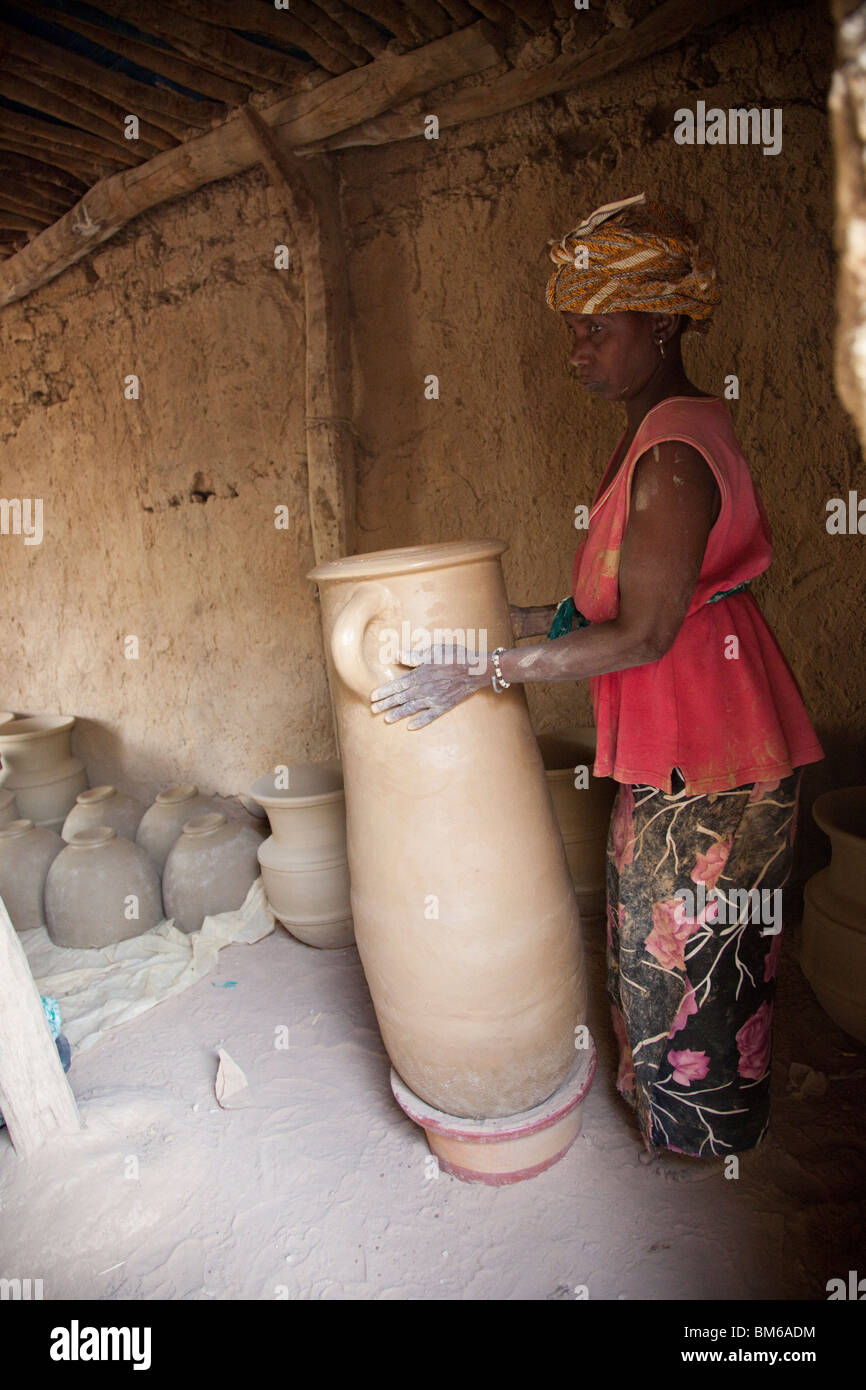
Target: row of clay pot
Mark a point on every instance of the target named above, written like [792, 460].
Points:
[101, 887]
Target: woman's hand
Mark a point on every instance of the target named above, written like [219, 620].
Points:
[443, 677]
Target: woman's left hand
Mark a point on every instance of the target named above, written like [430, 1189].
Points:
[443, 677]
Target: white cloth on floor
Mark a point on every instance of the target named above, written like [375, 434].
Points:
[99, 989]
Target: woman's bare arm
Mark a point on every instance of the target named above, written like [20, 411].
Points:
[674, 503]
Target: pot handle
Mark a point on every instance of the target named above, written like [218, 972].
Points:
[347, 639]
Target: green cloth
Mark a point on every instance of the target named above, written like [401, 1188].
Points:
[567, 617]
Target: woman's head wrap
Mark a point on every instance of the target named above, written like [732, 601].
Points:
[635, 254]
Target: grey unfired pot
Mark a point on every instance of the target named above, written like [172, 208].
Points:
[96, 885]
[164, 820]
[26, 853]
[210, 869]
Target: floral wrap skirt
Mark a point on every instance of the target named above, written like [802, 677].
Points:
[694, 933]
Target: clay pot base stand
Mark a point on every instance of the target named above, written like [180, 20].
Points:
[511, 1148]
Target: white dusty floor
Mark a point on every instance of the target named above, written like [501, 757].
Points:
[317, 1189]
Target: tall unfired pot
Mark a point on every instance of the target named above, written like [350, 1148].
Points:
[465, 915]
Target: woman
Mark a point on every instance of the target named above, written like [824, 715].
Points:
[698, 716]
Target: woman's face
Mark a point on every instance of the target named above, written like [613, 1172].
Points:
[615, 354]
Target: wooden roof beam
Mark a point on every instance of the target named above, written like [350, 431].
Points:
[108, 112]
[69, 137]
[667, 25]
[173, 113]
[157, 60]
[391, 15]
[208, 45]
[302, 25]
[39, 99]
[230, 148]
[32, 204]
[356, 25]
[82, 168]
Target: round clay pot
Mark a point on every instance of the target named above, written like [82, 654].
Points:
[834, 912]
[465, 915]
[304, 867]
[164, 820]
[26, 852]
[210, 869]
[91, 886]
[583, 813]
[8, 807]
[104, 806]
[39, 768]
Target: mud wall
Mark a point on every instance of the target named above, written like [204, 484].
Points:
[159, 512]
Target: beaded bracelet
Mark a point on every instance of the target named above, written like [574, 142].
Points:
[498, 683]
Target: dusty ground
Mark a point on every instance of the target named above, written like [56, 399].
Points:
[316, 1189]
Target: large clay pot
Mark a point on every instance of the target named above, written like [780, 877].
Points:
[8, 807]
[464, 911]
[164, 820]
[39, 768]
[304, 867]
[583, 812]
[210, 869]
[834, 915]
[101, 889]
[26, 853]
[104, 806]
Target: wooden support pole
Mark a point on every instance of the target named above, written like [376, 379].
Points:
[231, 148]
[35, 1097]
[848, 123]
[308, 193]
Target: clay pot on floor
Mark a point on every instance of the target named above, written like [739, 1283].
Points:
[464, 911]
[8, 807]
[100, 889]
[39, 768]
[304, 867]
[26, 853]
[834, 914]
[583, 812]
[210, 869]
[104, 806]
[162, 822]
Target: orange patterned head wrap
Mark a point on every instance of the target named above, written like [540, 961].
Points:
[635, 254]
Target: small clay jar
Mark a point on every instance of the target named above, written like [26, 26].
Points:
[8, 806]
[210, 869]
[39, 768]
[100, 889]
[26, 853]
[103, 806]
[164, 820]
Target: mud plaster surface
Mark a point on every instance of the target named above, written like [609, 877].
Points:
[317, 1189]
[159, 513]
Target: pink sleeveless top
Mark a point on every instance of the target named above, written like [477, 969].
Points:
[726, 712]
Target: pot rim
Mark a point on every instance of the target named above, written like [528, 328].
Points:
[45, 724]
[822, 815]
[408, 559]
[263, 791]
